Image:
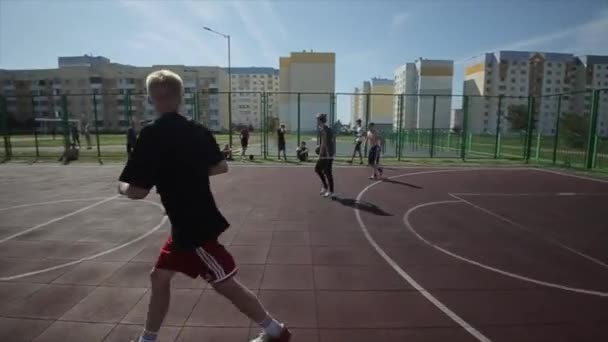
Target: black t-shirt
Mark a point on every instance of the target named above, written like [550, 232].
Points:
[329, 141]
[175, 154]
[281, 134]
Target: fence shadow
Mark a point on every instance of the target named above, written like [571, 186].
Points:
[363, 206]
[392, 181]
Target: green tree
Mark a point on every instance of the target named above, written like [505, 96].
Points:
[573, 130]
[517, 116]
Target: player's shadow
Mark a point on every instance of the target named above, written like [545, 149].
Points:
[392, 181]
[363, 206]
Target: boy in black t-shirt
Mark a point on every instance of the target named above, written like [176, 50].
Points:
[323, 168]
[281, 141]
[178, 156]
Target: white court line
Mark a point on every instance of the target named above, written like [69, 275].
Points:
[409, 226]
[531, 194]
[128, 243]
[524, 228]
[38, 226]
[451, 314]
[567, 174]
[52, 202]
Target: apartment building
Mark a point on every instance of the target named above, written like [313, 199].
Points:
[381, 102]
[515, 75]
[37, 93]
[248, 84]
[313, 74]
[419, 81]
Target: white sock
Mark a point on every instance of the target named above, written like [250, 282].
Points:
[148, 336]
[271, 326]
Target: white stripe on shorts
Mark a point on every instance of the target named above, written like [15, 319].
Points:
[211, 263]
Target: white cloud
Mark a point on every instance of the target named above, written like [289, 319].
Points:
[588, 38]
[399, 19]
[253, 25]
[174, 35]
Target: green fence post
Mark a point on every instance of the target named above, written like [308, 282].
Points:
[261, 133]
[4, 129]
[127, 109]
[529, 129]
[470, 140]
[230, 118]
[400, 132]
[592, 133]
[263, 109]
[537, 152]
[597, 140]
[35, 129]
[96, 129]
[367, 98]
[432, 150]
[299, 113]
[557, 122]
[64, 120]
[465, 128]
[497, 142]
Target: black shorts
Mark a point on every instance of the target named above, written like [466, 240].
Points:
[281, 146]
[358, 146]
[374, 155]
[244, 142]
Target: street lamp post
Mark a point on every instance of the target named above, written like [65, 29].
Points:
[227, 36]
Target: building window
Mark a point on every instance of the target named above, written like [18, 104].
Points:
[485, 122]
[512, 88]
[548, 90]
[522, 88]
[558, 81]
[502, 87]
[549, 64]
[549, 72]
[557, 90]
[549, 81]
[41, 82]
[523, 72]
[512, 80]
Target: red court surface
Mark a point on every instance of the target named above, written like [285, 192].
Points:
[510, 255]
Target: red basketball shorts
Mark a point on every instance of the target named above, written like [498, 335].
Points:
[211, 261]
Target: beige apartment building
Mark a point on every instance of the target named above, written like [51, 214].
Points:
[248, 85]
[306, 73]
[37, 93]
[519, 74]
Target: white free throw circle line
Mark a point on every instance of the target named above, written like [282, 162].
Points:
[91, 257]
[548, 240]
[409, 226]
[52, 202]
[451, 314]
[406, 276]
[38, 226]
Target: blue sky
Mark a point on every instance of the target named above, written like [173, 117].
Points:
[370, 38]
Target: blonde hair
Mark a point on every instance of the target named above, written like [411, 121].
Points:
[166, 78]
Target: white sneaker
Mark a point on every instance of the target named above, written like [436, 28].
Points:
[323, 191]
[328, 194]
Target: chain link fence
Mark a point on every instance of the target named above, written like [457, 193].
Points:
[569, 129]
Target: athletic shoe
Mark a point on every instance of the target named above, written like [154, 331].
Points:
[323, 191]
[328, 194]
[263, 337]
[373, 177]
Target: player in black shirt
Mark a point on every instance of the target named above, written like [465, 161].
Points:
[178, 156]
[281, 138]
[326, 156]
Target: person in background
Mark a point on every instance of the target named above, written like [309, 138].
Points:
[244, 140]
[375, 149]
[281, 138]
[358, 141]
[87, 135]
[227, 151]
[70, 153]
[326, 156]
[75, 135]
[131, 140]
[302, 152]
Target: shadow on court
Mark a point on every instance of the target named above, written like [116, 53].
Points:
[392, 181]
[363, 206]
